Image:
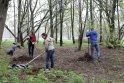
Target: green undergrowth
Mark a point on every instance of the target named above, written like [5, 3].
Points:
[26, 75]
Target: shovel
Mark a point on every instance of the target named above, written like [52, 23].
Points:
[87, 55]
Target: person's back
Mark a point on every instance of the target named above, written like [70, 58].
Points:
[11, 50]
[93, 36]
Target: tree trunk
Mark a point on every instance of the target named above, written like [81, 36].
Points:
[91, 14]
[100, 21]
[112, 23]
[72, 21]
[119, 28]
[61, 22]
[81, 30]
[51, 18]
[14, 21]
[3, 13]
[56, 20]
[80, 27]
[19, 19]
[20, 37]
[28, 18]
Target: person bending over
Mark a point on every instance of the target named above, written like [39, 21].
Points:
[50, 50]
[10, 51]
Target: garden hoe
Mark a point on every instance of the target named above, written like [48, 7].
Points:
[24, 65]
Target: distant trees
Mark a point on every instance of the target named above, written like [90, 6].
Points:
[27, 12]
[68, 18]
[112, 18]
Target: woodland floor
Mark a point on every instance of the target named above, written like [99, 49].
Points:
[110, 68]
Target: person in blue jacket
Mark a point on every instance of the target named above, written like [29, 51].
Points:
[93, 36]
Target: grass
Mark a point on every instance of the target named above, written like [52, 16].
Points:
[67, 43]
[54, 76]
[57, 76]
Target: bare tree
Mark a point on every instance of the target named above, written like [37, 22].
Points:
[56, 20]
[61, 22]
[80, 26]
[3, 12]
[32, 10]
[101, 21]
[72, 20]
[82, 29]
[51, 16]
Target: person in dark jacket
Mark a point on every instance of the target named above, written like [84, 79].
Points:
[93, 36]
[11, 50]
[31, 43]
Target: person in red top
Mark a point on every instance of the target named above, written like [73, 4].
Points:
[31, 43]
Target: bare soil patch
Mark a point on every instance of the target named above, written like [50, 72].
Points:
[110, 68]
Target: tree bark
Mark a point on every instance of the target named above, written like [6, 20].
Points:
[101, 21]
[80, 26]
[19, 22]
[14, 21]
[72, 20]
[3, 13]
[119, 28]
[56, 20]
[61, 22]
[51, 18]
[91, 14]
[112, 23]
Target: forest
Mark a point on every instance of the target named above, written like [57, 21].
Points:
[82, 40]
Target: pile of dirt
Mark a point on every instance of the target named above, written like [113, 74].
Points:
[22, 58]
[87, 57]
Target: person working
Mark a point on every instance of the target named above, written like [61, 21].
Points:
[50, 50]
[93, 36]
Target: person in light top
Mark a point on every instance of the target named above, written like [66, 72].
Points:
[50, 50]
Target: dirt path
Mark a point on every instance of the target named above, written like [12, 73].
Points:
[110, 68]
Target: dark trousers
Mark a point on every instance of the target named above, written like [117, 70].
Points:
[10, 52]
[31, 49]
[50, 58]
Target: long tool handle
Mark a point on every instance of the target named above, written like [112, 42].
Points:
[88, 44]
[33, 59]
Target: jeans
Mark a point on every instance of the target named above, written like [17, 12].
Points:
[49, 58]
[31, 49]
[95, 45]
